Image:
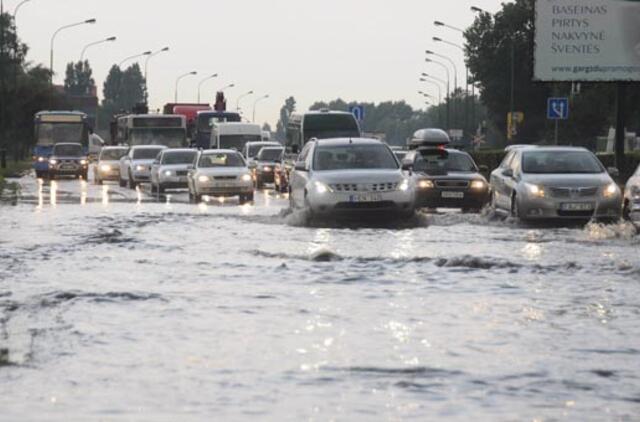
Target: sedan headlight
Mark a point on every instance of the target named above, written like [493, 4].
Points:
[404, 186]
[168, 173]
[247, 178]
[140, 168]
[105, 168]
[53, 161]
[267, 169]
[203, 179]
[322, 188]
[535, 190]
[84, 162]
[478, 185]
[425, 184]
[610, 190]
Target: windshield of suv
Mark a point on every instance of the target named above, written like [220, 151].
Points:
[172, 138]
[325, 126]
[354, 157]
[68, 150]
[221, 160]
[178, 157]
[443, 163]
[560, 162]
[270, 154]
[146, 153]
[113, 154]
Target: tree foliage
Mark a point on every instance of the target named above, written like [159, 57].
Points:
[285, 111]
[121, 91]
[79, 79]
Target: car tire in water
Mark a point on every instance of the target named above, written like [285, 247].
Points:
[515, 209]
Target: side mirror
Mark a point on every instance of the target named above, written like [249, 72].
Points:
[484, 169]
[301, 166]
[613, 172]
[508, 173]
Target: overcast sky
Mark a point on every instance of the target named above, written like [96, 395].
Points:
[364, 50]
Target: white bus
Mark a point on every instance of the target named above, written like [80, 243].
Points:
[152, 129]
[234, 135]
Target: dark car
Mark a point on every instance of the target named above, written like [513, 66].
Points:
[265, 164]
[446, 178]
[68, 159]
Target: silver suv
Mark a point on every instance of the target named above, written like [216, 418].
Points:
[534, 183]
[350, 176]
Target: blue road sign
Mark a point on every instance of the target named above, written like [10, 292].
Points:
[358, 112]
[558, 108]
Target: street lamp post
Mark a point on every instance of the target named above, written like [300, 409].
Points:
[448, 86]
[455, 74]
[192, 73]
[246, 94]
[149, 56]
[53, 39]
[466, 68]
[135, 56]
[440, 23]
[264, 97]
[437, 85]
[17, 8]
[84, 50]
[208, 78]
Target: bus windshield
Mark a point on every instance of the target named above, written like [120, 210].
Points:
[237, 142]
[325, 126]
[53, 133]
[172, 138]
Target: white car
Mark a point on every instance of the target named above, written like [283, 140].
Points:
[220, 172]
[350, 176]
[632, 197]
[108, 165]
[135, 167]
[169, 170]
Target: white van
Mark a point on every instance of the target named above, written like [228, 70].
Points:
[234, 135]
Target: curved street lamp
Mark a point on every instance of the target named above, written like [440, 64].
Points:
[246, 94]
[84, 50]
[149, 56]
[208, 78]
[17, 8]
[440, 23]
[192, 73]
[264, 97]
[135, 56]
[53, 39]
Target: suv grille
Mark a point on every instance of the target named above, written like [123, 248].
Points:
[573, 192]
[456, 184]
[372, 187]
[224, 178]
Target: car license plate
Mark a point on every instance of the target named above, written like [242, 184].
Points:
[366, 197]
[453, 195]
[67, 167]
[578, 206]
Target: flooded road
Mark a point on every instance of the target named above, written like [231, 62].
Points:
[118, 306]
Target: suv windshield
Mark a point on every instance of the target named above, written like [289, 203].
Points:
[325, 126]
[561, 162]
[146, 153]
[222, 159]
[113, 154]
[270, 154]
[179, 157]
[68, 150]
[354, 157]
[444, 162]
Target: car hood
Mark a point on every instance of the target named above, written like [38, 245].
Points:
[223, 171]
[142, 162]
[68, 157]
[266, 163]
[568, 180]
[108, 162]
[452, 175]
[359, 176]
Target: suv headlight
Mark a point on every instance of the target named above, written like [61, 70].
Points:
[610, 190]
[83, 162]
[478, 185]
[322, 188]
[168, 173]
[246, 178]
[404, 185]
[535, 190]
[105, 168]
[203, 179]
[425, 184]
[53, 161]
[140, 168]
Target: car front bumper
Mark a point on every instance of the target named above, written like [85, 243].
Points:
[532, 208]
[112, 173]
[443, 198]
[224, 188]
[173, 182]
[348, 203]
[68, 168]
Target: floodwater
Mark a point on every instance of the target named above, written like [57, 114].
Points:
[118, 306]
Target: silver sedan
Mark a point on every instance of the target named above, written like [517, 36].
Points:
[169, 170]
[555, 183]
[221, 173]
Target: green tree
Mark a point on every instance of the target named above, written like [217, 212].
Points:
[121, 91]
[285, 112]
[79, 80]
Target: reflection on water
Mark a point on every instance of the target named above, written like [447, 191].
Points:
[83, 192]
[53, 193]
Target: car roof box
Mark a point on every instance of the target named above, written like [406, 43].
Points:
[429, 138]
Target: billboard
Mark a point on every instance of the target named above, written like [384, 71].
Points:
[587, 40]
